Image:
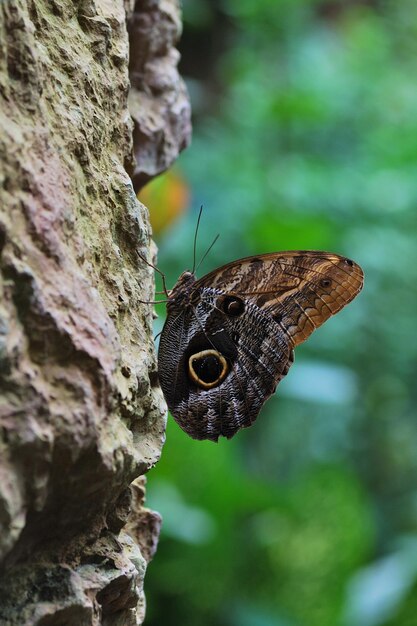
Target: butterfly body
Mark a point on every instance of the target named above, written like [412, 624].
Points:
[229, 336]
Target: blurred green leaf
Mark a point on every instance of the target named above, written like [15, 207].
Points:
[308, 141]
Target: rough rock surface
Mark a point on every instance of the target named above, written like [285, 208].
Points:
[81, 413]
[158, 99]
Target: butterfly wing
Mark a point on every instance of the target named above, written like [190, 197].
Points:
[256, 352]
[299, 289]
[229, 340]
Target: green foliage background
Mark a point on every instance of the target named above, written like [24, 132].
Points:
[305, 137]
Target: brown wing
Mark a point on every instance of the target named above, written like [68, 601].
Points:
[299, 289]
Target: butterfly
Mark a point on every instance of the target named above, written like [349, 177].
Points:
[229, 337]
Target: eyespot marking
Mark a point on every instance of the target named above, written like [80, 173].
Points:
[207, 368]
[233, 306]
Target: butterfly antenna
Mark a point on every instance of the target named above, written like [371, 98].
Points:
[195, 237]
[166, 292]
[206, 253]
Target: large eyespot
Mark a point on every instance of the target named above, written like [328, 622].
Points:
[233, 306]
[207, 368]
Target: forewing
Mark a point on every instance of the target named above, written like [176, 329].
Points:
[299, 289]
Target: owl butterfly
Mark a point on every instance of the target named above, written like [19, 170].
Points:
[229, 337]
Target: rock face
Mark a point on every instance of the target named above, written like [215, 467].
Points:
[158, 100]
[81, 413]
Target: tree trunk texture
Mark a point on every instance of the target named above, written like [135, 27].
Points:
[81, 412]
